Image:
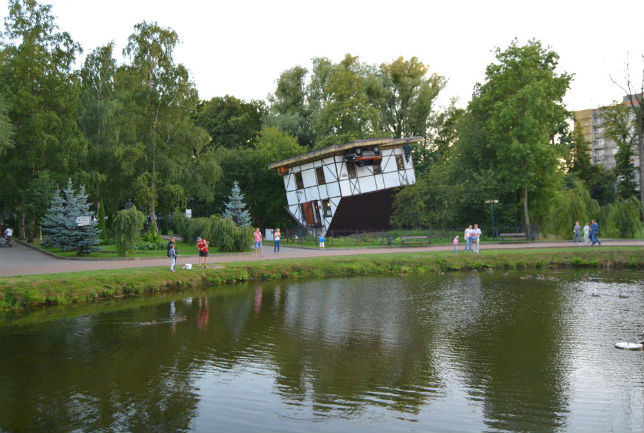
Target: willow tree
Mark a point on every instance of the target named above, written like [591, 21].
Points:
[160, 145]
[519, 109]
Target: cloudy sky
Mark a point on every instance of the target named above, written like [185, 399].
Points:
[241, 47]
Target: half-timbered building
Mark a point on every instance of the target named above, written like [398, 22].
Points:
[348, 186]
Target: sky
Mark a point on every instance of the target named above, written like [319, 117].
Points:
[239, 48]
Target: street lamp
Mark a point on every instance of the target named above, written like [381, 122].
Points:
[492, 202]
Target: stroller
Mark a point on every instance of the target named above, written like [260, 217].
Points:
[3, 242]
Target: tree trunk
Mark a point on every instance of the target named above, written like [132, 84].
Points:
[21, 232]
[526, 214]
[30, 238]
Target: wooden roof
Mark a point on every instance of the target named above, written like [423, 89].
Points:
[339, 149]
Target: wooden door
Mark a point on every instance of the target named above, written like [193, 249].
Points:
[307, 211]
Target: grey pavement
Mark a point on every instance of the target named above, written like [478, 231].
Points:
[21, 260]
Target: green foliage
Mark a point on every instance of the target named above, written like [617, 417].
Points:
[230, 122]
[60, 227]
[221, 232]
[621, 127]
[127, 226]
[228, 236]
[151, 236]
[101, 221]
[568, 206]
[621, 219]
[236, 208]
[151, 245]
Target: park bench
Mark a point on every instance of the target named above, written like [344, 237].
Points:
[414, 240]
[513, 237]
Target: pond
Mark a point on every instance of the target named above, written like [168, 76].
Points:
[529, 352]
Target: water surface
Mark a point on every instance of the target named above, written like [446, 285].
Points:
[460, 352]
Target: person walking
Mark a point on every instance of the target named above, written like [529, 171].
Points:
[587, 233]
[8, 233]
[468, 238]
[455, 242]
[594, 232]
[202, 246]
[277, 236]
[476, 235]
[576, 234]
[258, 241]
[172, 254]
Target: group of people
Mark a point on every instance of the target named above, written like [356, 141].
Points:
[5, 237]
[590, 230]
[277, 238]
[202, 246]
[471, 236]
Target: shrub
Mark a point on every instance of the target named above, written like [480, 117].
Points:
[127, 227]
[220, 232]
[568, 206]
[151, 246]
[621, 219]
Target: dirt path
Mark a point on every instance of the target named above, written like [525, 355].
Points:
[21, 260]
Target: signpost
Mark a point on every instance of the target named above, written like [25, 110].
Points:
[188, 213]
[83, 221]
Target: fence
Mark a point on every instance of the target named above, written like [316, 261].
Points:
[385, 238]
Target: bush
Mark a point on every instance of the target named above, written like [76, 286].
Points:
[127, 227]
[621, 219]
[220, 232]
[567, 207]
[227, 236]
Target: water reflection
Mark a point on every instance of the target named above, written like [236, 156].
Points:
[461, 352]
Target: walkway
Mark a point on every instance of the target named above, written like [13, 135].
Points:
[21, 260]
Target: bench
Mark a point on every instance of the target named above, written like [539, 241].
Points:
[414, 240]
[513, 237]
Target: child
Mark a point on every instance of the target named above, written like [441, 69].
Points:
[322, 241]
[587, 233]
[276, 240]
[172, 253]
[455, 242]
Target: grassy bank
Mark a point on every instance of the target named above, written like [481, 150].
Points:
[53, 289]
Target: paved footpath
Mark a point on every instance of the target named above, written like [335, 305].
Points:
[21, 260]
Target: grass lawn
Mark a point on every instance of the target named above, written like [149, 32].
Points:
[109, 251]
[70, 288]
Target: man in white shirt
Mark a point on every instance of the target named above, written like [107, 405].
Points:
[7, 234]
[476, 234]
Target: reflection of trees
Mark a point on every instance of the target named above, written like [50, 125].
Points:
[81, 375]
[349, 347]
[511, 354]
[326, 340]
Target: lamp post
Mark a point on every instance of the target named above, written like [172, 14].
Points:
[492, 202]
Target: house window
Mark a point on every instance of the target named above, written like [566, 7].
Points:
[319, 173]
[351, 169]
[399, 162]
[376, 168]
[298, 181]
[326, 205]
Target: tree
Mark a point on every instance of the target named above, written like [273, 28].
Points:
[160, 144]
[634, 99]
[229, 121]
[290, 110]
[236, 208]
[37, 197]
[60, 225]
[569, 205]
[517, 115]
[37, 83]
[405, 96]
[620, 127]
[98, 120]
[127, 226]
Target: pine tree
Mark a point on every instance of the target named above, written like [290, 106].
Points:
[235, 207]
[59, 225]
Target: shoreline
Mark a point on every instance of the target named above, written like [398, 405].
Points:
[41, 290]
